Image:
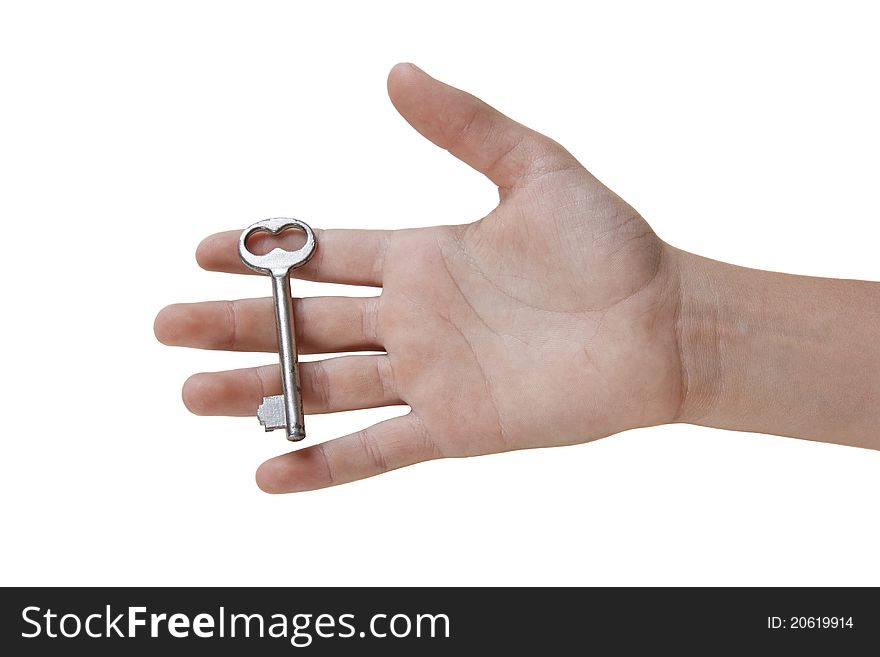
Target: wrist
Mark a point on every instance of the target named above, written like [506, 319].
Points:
[776, 353]
[699, 329]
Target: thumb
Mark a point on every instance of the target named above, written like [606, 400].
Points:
[508, 153]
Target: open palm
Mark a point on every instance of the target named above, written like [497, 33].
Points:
[550, 321]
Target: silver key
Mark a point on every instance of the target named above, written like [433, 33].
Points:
[281, 411]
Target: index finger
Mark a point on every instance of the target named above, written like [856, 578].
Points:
[347, 256]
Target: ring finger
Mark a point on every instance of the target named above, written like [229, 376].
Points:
[335, 384]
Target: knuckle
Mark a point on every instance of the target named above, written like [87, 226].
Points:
[370, 319]
[385, 377]
[319, 381]
[231, 325]
[373, 450]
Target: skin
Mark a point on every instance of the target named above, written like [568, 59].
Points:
[559, 318]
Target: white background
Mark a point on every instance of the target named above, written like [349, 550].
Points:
[128, 131]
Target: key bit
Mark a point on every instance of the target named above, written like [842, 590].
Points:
[271, 413]
[283, 411]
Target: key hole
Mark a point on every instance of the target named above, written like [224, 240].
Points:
[263, 241]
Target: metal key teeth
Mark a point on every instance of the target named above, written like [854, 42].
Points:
[271, 413]
[272, 416]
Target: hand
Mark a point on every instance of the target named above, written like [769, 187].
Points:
[551, 321]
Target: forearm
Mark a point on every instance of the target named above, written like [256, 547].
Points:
[781, 354]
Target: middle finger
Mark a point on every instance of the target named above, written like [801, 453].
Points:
[323, 325]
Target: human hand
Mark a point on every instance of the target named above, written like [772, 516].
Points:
[551, 321]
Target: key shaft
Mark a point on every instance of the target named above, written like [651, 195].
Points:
[287, 355]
